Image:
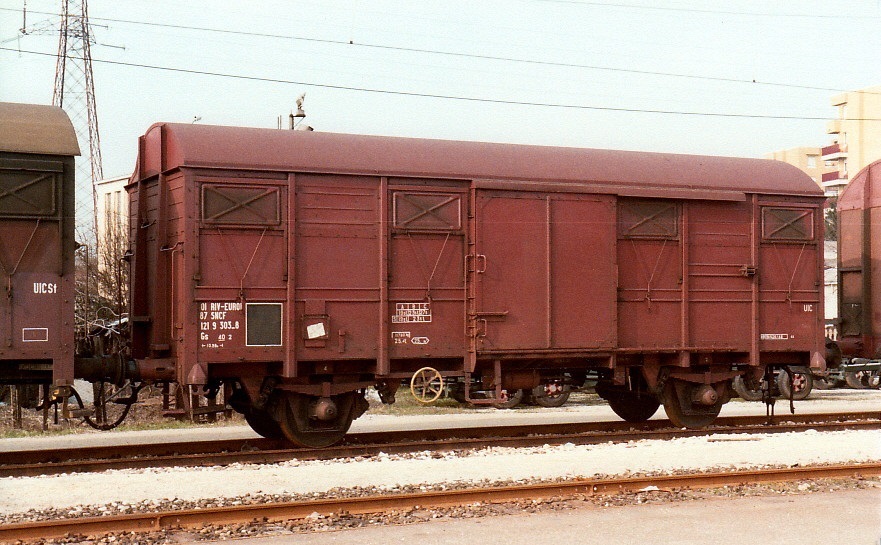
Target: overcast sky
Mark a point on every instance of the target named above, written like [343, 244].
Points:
[740, 78]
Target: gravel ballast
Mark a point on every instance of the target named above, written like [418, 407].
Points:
[126, 491]
[385, 472]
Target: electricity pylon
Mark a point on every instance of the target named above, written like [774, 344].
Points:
[75, 93]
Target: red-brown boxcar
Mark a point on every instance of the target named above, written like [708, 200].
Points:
[305, 267]
[37, 149]
[859, 265]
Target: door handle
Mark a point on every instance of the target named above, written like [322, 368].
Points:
[496, 316]
[479, 260]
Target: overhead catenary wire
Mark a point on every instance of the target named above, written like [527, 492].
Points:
[443, 96]
[712, 11]
[476, 56]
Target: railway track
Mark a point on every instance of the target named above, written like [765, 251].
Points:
[188, 518]
[225, 452]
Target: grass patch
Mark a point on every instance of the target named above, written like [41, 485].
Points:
[406, 405]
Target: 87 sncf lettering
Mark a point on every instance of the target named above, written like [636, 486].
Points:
[298, 269]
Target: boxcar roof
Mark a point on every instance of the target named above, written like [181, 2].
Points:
[187, 145]
[864, 189]
[35, 128]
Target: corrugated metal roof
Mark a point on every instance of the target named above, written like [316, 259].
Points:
[303, 151]
[35, 128]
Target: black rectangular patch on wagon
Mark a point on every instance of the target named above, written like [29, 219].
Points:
[263, 324]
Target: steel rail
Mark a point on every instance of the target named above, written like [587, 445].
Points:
[225, 452]
[145, 522]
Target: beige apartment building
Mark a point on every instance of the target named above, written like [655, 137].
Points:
[112, 208]
[856, 137]
[855, 142]
[807, 159]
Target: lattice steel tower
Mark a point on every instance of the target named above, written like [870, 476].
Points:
[75, 92]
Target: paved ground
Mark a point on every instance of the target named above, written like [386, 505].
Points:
[814, 519]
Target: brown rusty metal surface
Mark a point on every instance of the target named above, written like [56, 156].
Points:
[536, 307]
[297, 151]
[262, 451]
[331, 261]
[448, 498]
[859, 264]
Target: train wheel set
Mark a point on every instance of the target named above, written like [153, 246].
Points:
[316, 423]
[298, 269]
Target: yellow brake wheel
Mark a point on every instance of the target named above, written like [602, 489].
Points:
[427, 385]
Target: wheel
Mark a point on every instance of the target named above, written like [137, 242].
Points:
[634, 408]
[682, 411]
[297, 416]
[854, 379]
[862, 380]
[867, 379]
[261, 421]
[510, 400]
[799, 386]
[749, 390]
[427, 385]
[263, 424]
[551, 394]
